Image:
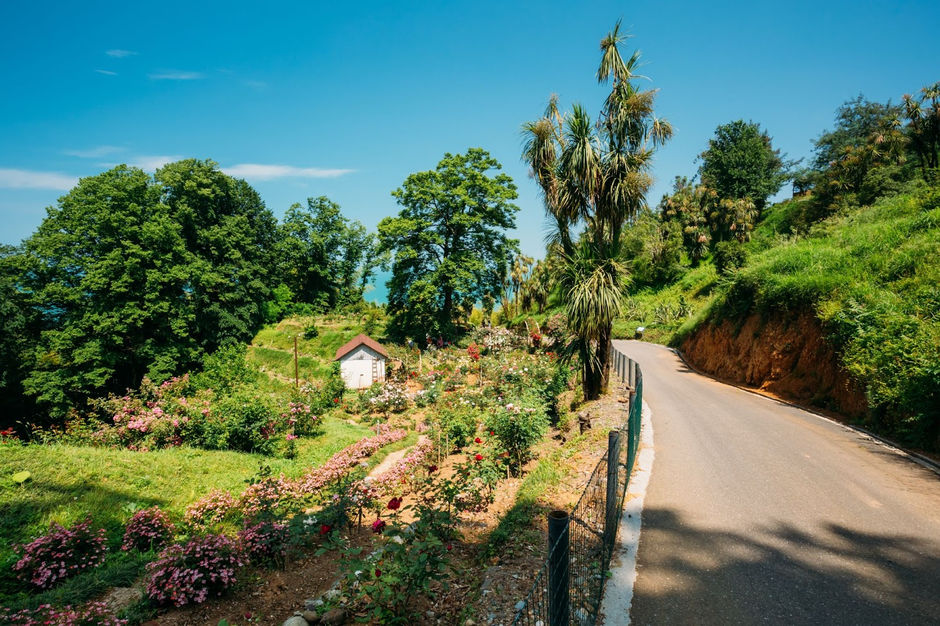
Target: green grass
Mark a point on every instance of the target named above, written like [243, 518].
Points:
[70, 482]
[871, 276]
[272, 349]
[663, 311]
[518, 519]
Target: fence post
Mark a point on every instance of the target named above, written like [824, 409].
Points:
[558, 592]
[613, 501]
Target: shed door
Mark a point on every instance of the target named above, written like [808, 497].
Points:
[358, 374]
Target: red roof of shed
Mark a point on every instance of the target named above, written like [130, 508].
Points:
[357, 341]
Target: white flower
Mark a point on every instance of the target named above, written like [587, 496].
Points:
[397, 539]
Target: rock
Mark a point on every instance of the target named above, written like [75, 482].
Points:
[332, 594]
[312, 604]
[120, 598]
[469, 622]
[296, 620]
[333, 616]
[520, 605]
[311, 616]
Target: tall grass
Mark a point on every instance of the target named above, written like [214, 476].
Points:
[873, 279]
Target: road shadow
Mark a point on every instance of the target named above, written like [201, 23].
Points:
[782, 575]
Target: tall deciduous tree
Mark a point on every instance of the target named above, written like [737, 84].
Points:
[741, 162]
[131, 276]
[594, 180]
[449, 242]
[323, 257]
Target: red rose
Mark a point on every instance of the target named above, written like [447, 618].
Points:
[478, 440]
[378, 526]
[492, 433]
[432, 469]
[325, 528]
[378, 573]
[394, 503]
[478, 457]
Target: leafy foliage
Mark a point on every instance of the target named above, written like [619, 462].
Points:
[449, 242]
[740, 162]
[189, 573]
[62, 553]
[132, 276]
[324, 258]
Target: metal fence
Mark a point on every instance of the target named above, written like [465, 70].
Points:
[570, 584]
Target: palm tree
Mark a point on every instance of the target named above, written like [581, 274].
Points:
[594, 178]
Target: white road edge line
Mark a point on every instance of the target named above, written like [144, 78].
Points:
[855, 430]
[618, 594]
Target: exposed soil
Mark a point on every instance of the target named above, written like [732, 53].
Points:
[484, 588]
[783, 355]
[266, 596]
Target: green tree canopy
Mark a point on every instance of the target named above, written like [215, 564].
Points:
[131, 276]
[449, 242]
[741, 162]
[323, 257]
[856, 121]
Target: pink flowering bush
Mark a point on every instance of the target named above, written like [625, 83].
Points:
[149, 529]
[265, 497]
[395, 479]
[301, 419]
[92, 614]
[340, 463]
[266, 543]
[189, 573]
[62, 553]
[210, 509]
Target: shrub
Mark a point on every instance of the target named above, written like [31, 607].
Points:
[210, 509]
[188, 573]
[390, 399]
[453, 428]
[149, 529]
[266, 543]
[64, 552]
[92, 614]
[250, 421]
[729, 256]
[518, 428]
[387, 581]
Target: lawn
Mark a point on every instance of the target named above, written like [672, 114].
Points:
[70, 482]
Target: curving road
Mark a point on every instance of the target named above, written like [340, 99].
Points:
[759, 512]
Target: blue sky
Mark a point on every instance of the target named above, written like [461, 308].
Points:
[310, 98]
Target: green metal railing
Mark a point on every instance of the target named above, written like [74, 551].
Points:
[569, 586]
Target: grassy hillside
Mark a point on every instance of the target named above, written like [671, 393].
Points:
[272, 349]
[872, 277]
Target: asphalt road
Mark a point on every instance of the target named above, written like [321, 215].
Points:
[759, 512]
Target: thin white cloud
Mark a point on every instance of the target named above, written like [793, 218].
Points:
[30, 179]
[120, 54]
[257, 85]
[94, 153]
[257, 171]
[176, 75]
[107, 72]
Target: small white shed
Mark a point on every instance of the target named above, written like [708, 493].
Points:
[362, 362]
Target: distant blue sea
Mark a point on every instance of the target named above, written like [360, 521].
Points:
[377, 292]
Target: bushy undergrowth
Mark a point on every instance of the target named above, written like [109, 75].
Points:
[149, 529]
[61, 553]
[870, 274]
[189, 573]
